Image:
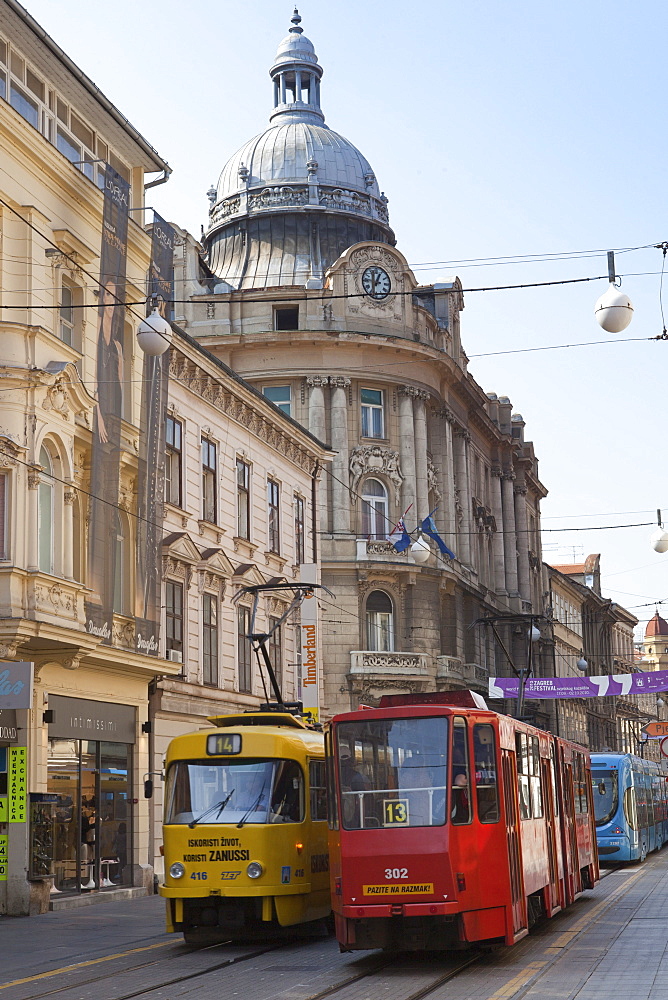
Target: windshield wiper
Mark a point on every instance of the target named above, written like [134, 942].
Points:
[252, 808]
[217, 805]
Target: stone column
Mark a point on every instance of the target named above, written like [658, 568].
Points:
[340, 471]
[509, 537]
[421, 481]
[407, 447]
[449, 481]
[521, 528]
[497, 539]
[68, 534]
[318, 427]
[32, 526]
[461, 438]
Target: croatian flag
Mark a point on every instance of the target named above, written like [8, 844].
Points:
[429, 528]
[400, 537]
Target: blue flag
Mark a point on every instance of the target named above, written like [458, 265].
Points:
[429, 528]
[400, 537]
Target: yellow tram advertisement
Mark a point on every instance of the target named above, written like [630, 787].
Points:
[245, 831]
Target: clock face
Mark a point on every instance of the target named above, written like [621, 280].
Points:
[376, 282]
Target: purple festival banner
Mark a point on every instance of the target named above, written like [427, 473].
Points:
[580, 687]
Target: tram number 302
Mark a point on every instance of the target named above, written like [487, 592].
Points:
[396, 873]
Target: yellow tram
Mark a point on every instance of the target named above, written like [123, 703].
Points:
[245, 831]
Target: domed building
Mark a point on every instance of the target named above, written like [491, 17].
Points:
[297, 285]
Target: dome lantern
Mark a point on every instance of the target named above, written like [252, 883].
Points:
[296, 76]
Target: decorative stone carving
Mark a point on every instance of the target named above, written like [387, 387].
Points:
[374, 458]
[317, 381]
[410, 662]
[339, 382]
[56, 399]
[345, 199]
[409, 390]
[459, 510]
[379, 548]
[278, 197]
[520, 489]
[312, 167]
[123, 634]
[69, 497]
[432, 481]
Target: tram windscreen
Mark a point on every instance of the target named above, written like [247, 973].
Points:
[606, 795]
[248, 791]
[392, 772]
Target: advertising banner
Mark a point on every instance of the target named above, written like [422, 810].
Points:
[15, 688]
[17, 784]
[581, 687]
[309, 648]
[151, 481]
[106, 526]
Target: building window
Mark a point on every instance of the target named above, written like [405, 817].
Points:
[66, 315]
[280, 395]
[121, 565]
[45, 512]
[244, 651]
[275, 650]
[174, 618]
[286, 318]
[375, 524]
[209, 499]
[300, 530]
[210, 640]
[373, 424]
[173, 461]
[243, 499]
[379, 622]
[273, 512]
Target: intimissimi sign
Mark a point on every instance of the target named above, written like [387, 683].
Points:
[76, 718]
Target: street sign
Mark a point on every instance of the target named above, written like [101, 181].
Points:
[664, 746]
[655, 730]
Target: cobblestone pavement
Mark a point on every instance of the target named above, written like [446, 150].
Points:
[613, 942]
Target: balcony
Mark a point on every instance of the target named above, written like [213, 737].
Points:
[380, 548]
[453, 670]
[367, 662]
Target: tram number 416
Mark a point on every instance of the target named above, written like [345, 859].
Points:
[396, 812]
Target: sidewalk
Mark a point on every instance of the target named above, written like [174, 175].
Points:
[30, 945]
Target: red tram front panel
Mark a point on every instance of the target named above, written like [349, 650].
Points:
[452, 825]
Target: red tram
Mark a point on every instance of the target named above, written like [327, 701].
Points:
[451, 824]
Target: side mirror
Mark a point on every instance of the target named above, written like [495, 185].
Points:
[148, 788]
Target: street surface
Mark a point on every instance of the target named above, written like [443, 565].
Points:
[612, 943]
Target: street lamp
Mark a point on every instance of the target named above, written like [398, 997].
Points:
[582, 664]
[614, 310]
[659, 538]
[154, 334]
[420, 550]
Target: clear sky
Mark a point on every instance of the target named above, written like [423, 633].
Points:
[496, 130]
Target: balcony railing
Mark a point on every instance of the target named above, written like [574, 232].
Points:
[363, 661]
[452, 668]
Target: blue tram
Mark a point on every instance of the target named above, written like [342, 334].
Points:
[631, 806]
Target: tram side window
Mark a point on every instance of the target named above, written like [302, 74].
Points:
[580, 783]
[287, 804]
[318, 789]
[553, 774]
[461, 774]
[524, 794]
[332, 807]
[486, 782]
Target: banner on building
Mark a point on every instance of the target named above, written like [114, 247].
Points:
[17, 784]
[309, 647]
[605, 686]
[151, 480]
[108, 530]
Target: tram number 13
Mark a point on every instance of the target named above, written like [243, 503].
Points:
[396, 812]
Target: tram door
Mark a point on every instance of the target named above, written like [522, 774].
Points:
[551, 834]
[513, 841]
[570, 846]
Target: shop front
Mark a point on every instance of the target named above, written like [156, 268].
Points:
[81, 826]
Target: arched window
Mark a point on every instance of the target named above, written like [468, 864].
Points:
[45, 512]
[375, 522]
[122, 557]
[379, 622]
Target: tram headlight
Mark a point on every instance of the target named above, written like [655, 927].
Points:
[254, 869]
[177, 870]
